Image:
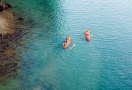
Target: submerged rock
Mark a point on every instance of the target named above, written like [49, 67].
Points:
[11, 31]
[10, 35]
[4, 6]
[21, 18]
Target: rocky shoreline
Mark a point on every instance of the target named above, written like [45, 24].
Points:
[10, 35]
[4, 5]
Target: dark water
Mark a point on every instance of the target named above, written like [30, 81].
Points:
[103, 63]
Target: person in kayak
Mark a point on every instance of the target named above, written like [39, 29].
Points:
[65, 43]
[87, 35]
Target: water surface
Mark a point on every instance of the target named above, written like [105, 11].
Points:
[103, 63]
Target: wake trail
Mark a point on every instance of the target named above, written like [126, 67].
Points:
[73, 45]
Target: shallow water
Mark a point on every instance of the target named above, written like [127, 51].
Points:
[103, 63]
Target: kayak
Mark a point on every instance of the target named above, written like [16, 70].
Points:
[87, 35]
[66, 42]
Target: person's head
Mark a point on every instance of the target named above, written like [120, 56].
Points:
[64, 44]
[87, 31]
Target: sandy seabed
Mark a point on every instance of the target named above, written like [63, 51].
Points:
[7, 22]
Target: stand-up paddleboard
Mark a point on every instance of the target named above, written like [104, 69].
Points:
[87, 35]
[66, 42]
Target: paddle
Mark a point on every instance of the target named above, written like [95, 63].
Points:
[89, 29]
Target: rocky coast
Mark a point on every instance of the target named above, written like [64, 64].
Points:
[10, 35]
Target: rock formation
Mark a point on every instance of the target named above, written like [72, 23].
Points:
[9, 37]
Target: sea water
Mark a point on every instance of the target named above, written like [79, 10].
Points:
[103, 63]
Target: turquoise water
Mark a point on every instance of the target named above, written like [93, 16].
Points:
[103, 63]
